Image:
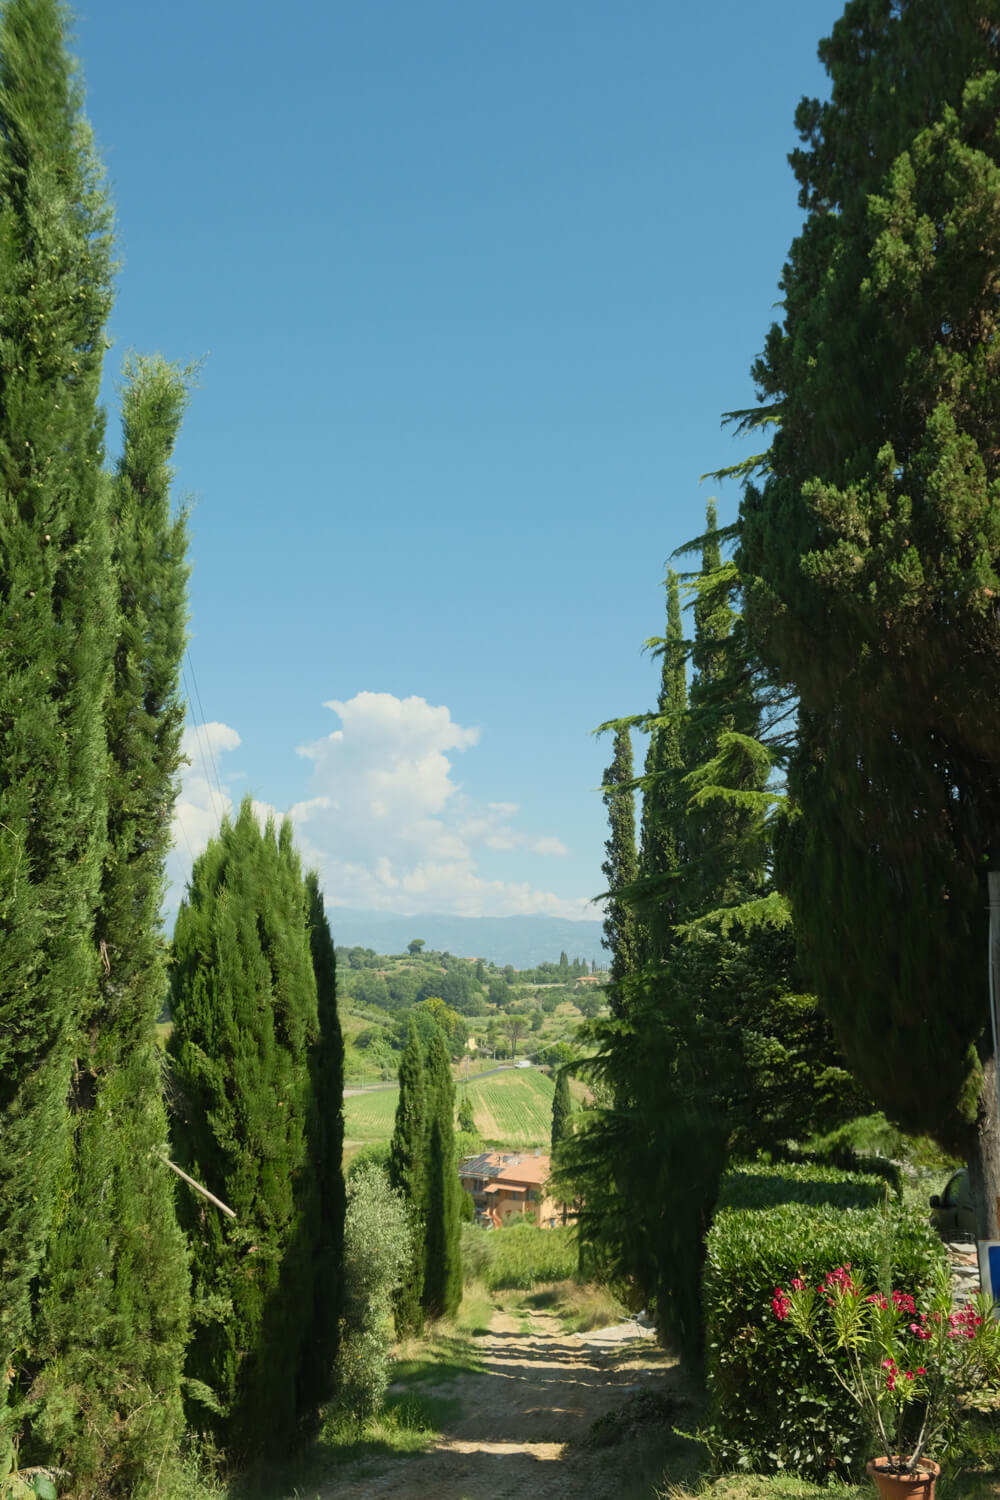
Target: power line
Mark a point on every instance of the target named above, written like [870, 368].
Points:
[215, 769]
[204, 750]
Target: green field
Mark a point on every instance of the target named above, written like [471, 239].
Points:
[370, 1117]
[511, 1109]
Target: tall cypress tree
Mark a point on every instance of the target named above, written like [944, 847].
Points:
[55, 602]
[245, 1018]
[327, 1149]
[562, 1111]
[114, 1294]
[442, 1291]
[408, 1174]
[620, 866]
[873, 548]
[662, 798]
[716, 1051]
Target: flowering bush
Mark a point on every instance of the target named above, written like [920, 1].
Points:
[906, 1367]
[772, 1405]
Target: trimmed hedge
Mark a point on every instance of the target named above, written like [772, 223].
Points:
[844, 1157]
[758, 1185]
[771, 1406]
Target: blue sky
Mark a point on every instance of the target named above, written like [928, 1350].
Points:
[472, 283]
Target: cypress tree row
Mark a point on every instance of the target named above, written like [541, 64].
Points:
[408, 1174]
[442, 1291]
[245, 1019]
[55, 600]
[114, 1293]
[715, 1050]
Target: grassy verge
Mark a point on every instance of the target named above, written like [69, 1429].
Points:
[422, 1402]
[761, 1487]
[579, 1308]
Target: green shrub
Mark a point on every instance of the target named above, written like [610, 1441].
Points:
[376, 1250]
[518, 1258]
[757, 1185]
[771, 1407]
[838, 1152]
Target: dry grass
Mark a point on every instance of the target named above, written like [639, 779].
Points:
[760, 1487]
[578, 1307]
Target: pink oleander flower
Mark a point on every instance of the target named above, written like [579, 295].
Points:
[868, 1341]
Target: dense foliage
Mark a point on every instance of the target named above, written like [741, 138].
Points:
[520, 1257]
[376, 1252]
[756, 1185]
[423, 1167]
[56, 596]
[246, 1030]
[442, 1290]
[93, 1308]
[871, 546]
[713, 1051]
[771, 1404]
[562, 1112]
[114, 1294]
[408, 1176]
[621, 865]
[326, 1078]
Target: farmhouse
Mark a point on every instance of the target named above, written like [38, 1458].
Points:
[504, 1187]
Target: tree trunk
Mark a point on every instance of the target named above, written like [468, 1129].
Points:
[984, 1157]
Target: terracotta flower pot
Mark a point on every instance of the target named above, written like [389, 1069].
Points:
[916, 1484]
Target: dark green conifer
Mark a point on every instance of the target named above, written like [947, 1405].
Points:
[114, 1293]
[327, 1149]
[620, 866]
[466, 1118]
[562, 1111]
[245, 1020]
[871, 546]
[715, 1052]
[408, 1173]
[55, 603]
[662, 798]
[442, 1291]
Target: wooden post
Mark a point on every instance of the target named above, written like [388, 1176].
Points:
[197, 1186]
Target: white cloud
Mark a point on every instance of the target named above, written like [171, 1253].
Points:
[204, 800]
[547, 846]
[390, 827]
[385, 821]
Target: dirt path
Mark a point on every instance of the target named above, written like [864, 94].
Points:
[521, 1420]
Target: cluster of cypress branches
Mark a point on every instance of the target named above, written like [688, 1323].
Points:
[423, 1167]
[256, 1071]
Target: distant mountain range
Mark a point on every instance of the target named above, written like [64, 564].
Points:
[524, 942]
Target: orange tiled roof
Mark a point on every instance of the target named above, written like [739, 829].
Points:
[508, 1167]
